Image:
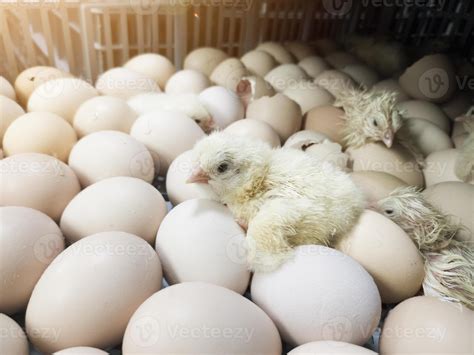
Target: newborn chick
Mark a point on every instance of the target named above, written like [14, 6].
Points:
[448, 262]
[284, 196]
[464, 166]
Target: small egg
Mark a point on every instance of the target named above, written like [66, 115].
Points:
[29, 79]
[427, 325]
[200, 318]
[114, 204]
[309, 306]
[204, 59]
[251, 88]
[308, 95]
[13, 340]
[362, 74]
[426, 110]
[388, 254]
[286, 76]
[300, 50]
[187, 81]
[256, 129]
[228, 73]
[314, 65]
[37, 181]
[439, 167]
[326, 46]
[61, 96]
[125, 83]
[427, 136]
[393, 86]
[40, 132]
[327, 120]
[6, 89]
[376, 185]
[81, 350]
[105, 154]
[9, 112]
[330, 348]
[30, 241]
[259, 62]
[279, 111]
[223, 105]
[458, 105]
[103, 113]
[153, 65]
[177, 188]
[334, 81]
[166, 134]
[277, 51]
[341, 59]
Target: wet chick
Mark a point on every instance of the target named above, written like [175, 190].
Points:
[449, 271]
[464, 166]
[284, 196]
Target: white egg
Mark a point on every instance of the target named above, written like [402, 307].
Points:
[223, 105]
[256, 129]
[259, 62]
[153, 65]
[314, 65]
[204, 59]
[9, 111]
[6, 89]
[187, 81]
[286, 76]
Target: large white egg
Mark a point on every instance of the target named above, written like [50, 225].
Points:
[81, 350]
[427, 136]
[314, 65]
[204, 59]
[335, 81]
[327, 120]
[88, 293]
[427, 111]
[376, 185]
[125, 83]
[308, 95]
[392, 85]
[119, 203]
[6, 89]
[256, 129]
[177, 188]
[362, 74]
[166, 134]
[286, 76]
[321, 294]
[342, 59]
[300, 50]
[103, 113]
[440, 167]
[259, 62]
[153, 65]
[37, 181]
[9, 111]
[208, 229]
[40, 132]
[277, 51]
[330, 348]
[187, 81]
[228, 73]
[105, 154]
[61, 96]
[30, 241]
[13, 340]
[223, 105]
[200, 318]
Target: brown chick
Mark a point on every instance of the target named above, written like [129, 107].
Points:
[286, 197]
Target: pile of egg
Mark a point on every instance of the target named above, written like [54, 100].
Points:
[87, 240]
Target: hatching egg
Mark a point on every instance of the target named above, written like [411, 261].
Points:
[302, 139]
[376, 185]
[228, 73]
[326, 120]
[81, 350]
[29, 79]
[286, 76]
[388, 254]
[105, 154]
[88, 293]
[335, 81]
[125, 83]
[61, 96]
[325, 46]
[166, 134]
[153, 65]
[279, 111]
[427, 136]
[314, 65]
[341, 59]
[13, 340]
[118, 203]
[392, 85]
[300, 50]
[361, 74]
[217, 241]
[187, 81]
[396, 161]
[177, 188]
[37, 181]
[321, 304]
[330, 348]
[432, 78]
[9, 111]
[440, 167]
[197, 317]
[6, 89]
[427, 325]
[259, 62]
[204, 59]
[277, 51]
[455, 200]
[30, 241]
[256, 129]
[40, 132]
[223, 105]
[458, 105]
[426, 110]
[251, 88]
[103, 113]
[308, 95]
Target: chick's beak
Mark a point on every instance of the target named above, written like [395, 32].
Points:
[388, 138]
[198, 176]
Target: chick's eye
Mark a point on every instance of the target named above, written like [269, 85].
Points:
[389, 212]
[374, 122]
[222, 168]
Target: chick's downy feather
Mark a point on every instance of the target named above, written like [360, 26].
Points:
[464, 166]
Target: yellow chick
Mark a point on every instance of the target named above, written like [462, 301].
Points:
[464, 166]
[284, 196]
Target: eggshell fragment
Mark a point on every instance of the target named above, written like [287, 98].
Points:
[308, 95]
[177, 188]
[251, 88]
[125, 83]
[256, 129]
[334, 81]
[6, 89]
[153, 65]
[40, 132]
[9, 111]
[187, 81]
[362, 74]
[376, 185]
[427, 111]
[300, 50]
[204, 59]
[103, 113]
[259, 62]
[330, 348]
[427, 136]
[37, 181]
[277, 51]
[196, 317]
[427, 325]
[308, 306]
[439, 167]
[166, 134]
[279, 111]
[314, 65]
[89, 292]
[341, 59]
[105, 154]
[115, 204]
[303, 139]
[228, 73]
[13, 340]
[326, 120]
[388, 254]
[223, 105]
[217, 242]
[392, 85]
[286, 76]
[61, 96]
[81, 350]
[30, 241]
